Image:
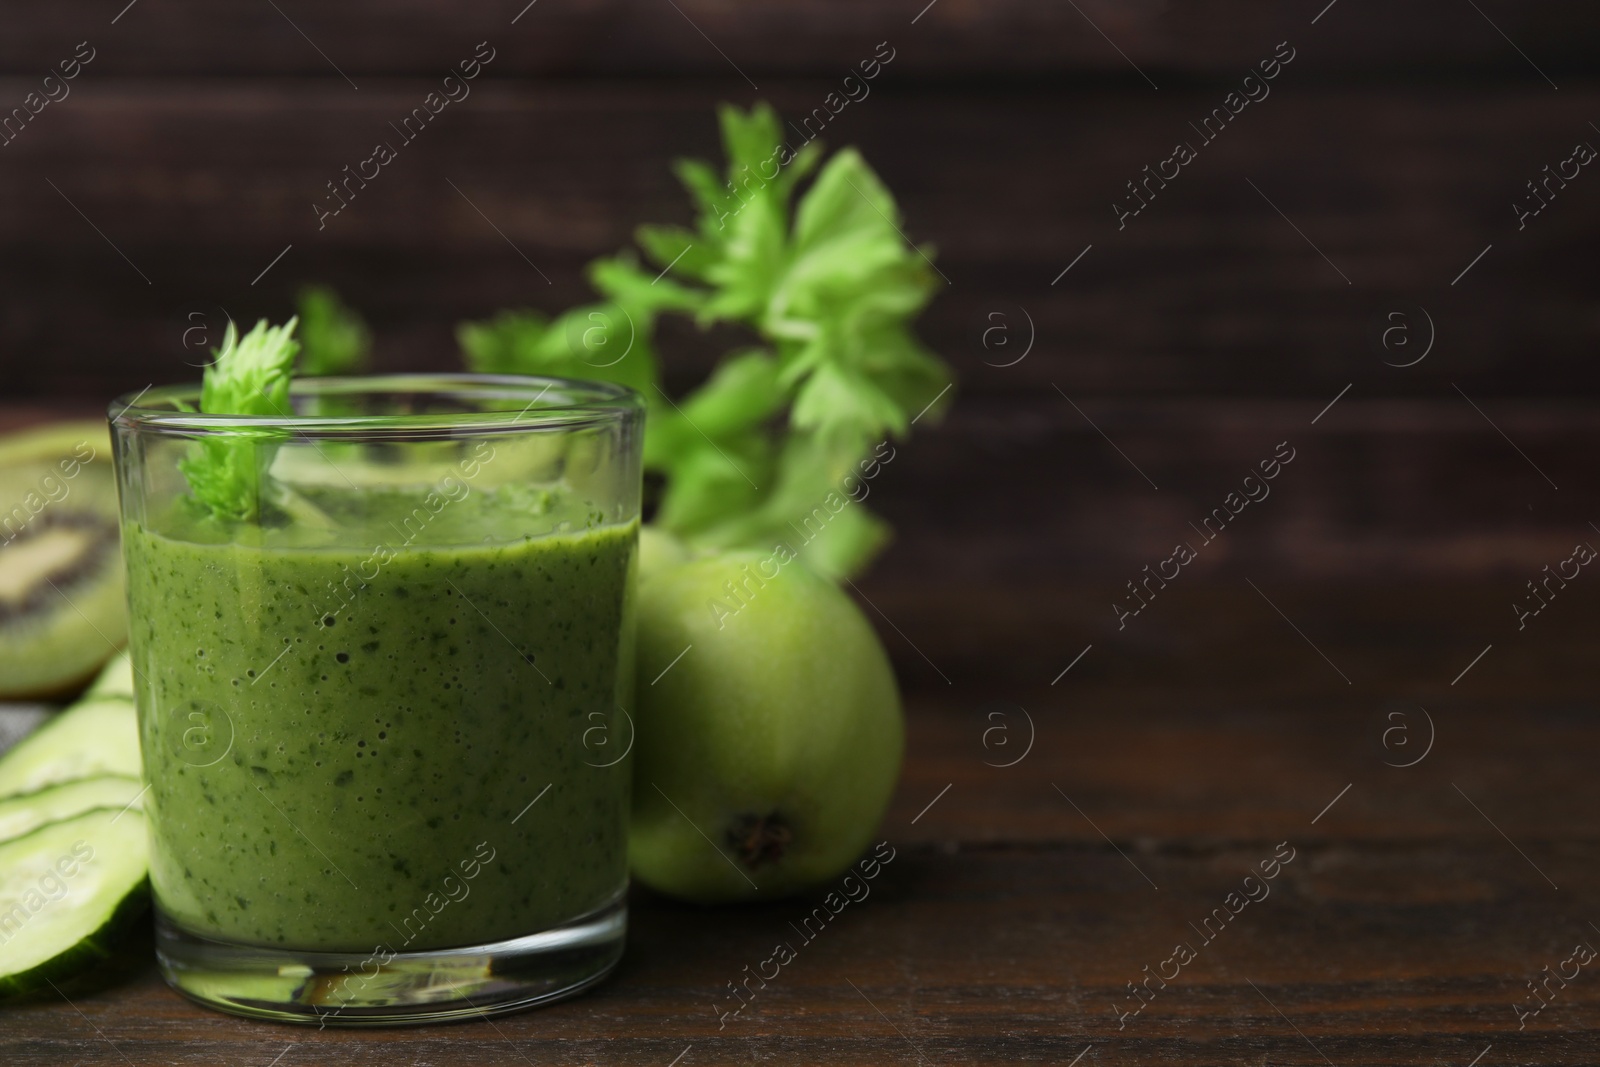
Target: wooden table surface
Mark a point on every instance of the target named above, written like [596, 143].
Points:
[1024, 899]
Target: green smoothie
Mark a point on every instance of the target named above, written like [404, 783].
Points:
[390, 746]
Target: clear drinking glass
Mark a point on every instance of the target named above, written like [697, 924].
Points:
[383, 652]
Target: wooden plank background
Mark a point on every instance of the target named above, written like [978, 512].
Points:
[998, 39]
[200, 135]
[1219, 321]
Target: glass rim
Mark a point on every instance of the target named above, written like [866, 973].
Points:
[575, 403]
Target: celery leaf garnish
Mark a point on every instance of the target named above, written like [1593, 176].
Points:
[249, 376]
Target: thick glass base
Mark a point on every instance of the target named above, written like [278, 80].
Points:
[393, 989]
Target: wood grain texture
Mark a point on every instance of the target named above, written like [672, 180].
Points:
[1052, 494]
[1007, 928]
[1009, 39]
[1208, 292]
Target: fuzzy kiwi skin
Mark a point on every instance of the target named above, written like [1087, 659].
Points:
[89, 495]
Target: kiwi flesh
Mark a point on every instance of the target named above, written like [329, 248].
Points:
[62, 607]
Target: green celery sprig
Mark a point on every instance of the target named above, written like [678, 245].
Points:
[828, 287]
[249, 376]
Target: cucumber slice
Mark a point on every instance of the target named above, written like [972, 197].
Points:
[94, 738]
[26, 813]
[65, 891]
[115, 682]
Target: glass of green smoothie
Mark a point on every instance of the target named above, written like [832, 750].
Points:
[383, 651]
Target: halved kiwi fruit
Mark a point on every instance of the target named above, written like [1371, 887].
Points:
[62, 611]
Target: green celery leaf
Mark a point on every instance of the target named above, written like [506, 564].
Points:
[249, 376]
[647, 293]
[594, 342]
[836, 397]
[505, 344]
[911, 376]
[668, 437]
[849, 257]
[847, 544]
[333, 339]
[848, 196]
[816, 506]
[749, 138]
[681, 251]
[741, 393]
[711, 197]
[751, 222]
[709, 481]
[754, 253]
[603, 342]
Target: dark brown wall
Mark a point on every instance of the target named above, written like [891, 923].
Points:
[1197, 337]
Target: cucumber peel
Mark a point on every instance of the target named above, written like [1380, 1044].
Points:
[98, 737]
[26, 812]
[66, 889]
